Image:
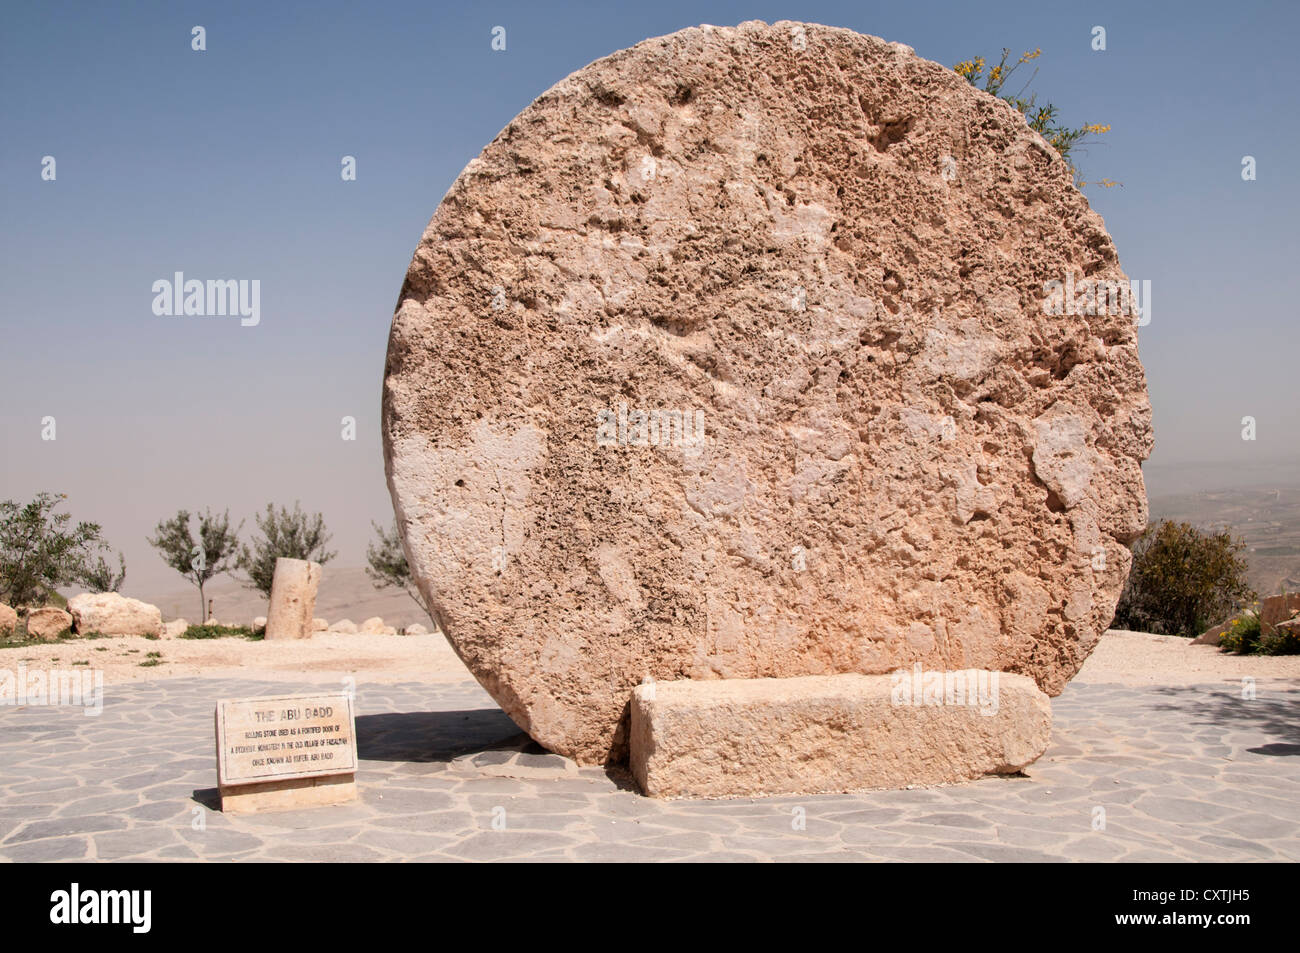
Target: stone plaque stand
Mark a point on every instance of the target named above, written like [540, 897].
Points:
[285, 752]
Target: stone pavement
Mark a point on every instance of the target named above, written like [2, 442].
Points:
[1185, 773]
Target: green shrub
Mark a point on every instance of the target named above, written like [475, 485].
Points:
[41, 550]
[216, 632]
[224, 632]
[100, 577]
[1279, 642]
[1247, 635]
[1183, 581]
[387, 563]
[1242, 635]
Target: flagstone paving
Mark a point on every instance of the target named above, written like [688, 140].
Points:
[1134, 774]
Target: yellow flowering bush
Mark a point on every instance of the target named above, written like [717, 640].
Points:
[1042, 119]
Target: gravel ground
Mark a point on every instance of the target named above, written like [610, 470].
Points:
[1136, 658]
[1157, 754]
[1125, 658]
[326, 655]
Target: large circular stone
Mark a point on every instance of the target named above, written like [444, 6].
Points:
[733, 356]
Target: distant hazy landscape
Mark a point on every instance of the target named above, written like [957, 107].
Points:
[1258, 502]
[1267, 519]
[1261, 504]
[345, 593]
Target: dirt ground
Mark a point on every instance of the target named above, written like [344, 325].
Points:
[1136, 658]
[1132, 658]
[326, 655]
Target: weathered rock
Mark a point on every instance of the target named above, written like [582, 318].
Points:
[1211, 636]
[375, 626]
[830, 733]
[729, 357]
[319, 625]
[259, 621]
[346, 626]
[415, 629]
[8, 619]
[1280, 608]
[47, 623]
[174, 629]
[109, 613]
[293, 599]
[1272, 611]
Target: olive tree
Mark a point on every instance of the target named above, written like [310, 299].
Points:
[100, 576]
[216, 551]
[283, 535]
[40, 551]
[387, 563]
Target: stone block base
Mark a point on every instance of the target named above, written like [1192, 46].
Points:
[833, 733]
[288, 795]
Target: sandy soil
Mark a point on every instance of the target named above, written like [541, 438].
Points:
[1136, 658]
[325, 656]
[1130, 658]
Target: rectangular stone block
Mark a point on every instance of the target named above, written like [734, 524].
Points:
[285, 751]
[833, 733]
[294, 794]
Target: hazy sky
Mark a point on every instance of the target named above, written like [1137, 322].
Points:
[226, 164]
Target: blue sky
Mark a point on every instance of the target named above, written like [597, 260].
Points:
[225, 163]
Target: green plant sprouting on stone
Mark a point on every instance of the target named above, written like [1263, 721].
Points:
[1041, 118]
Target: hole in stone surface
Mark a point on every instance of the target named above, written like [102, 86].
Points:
[891, 131]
